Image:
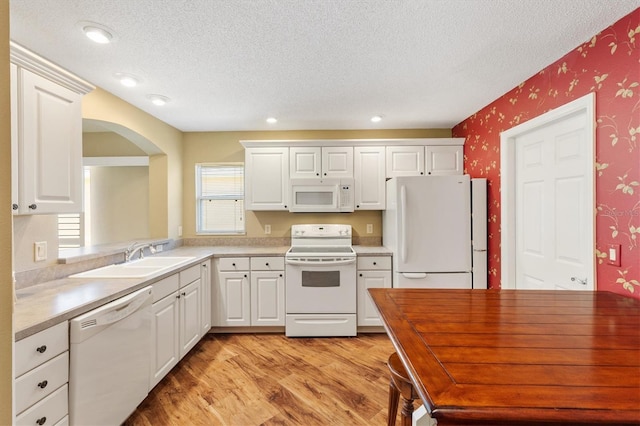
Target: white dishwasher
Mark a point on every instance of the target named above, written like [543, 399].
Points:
[110, 355]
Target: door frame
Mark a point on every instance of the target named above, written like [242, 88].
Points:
[508, 168]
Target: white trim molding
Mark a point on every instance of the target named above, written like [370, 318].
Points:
[507, 180]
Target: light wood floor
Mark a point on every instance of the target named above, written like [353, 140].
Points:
[256, 379]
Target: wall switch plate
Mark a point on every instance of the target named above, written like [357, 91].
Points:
[267, 229]
[40, 251]
[613, 254]
[369, 228]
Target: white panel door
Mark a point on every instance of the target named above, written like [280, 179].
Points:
[553, 211]
[367, 311]
[405, 161]
[369, 167]
[165, 335]
[266, 178]
[444, 160]
[337, 161]
[190, 322]
[233, 307]
[267, 298]
[304, 162]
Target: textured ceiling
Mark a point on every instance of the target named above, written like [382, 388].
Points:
[313, 64]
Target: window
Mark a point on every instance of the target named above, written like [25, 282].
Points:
[220, 198]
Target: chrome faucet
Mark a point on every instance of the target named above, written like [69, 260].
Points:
[138, 247]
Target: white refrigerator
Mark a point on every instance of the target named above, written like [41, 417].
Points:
[436, 227]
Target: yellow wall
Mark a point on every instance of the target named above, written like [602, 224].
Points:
[108, 144]
[6, 287]
[202, 147]
[154, 137]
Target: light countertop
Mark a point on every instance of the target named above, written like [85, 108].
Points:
[41, 306]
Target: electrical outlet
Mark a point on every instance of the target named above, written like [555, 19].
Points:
[158, 248]
[40, 251]
[369, 228]
[267, 229]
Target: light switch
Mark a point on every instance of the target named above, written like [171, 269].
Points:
[614, 255]
[267, 229]
[40, 251]
[369, 228]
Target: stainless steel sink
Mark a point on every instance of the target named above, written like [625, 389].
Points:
[135, 269]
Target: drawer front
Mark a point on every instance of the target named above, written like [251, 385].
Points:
[41, 381]
[49, 411]
[165, 287]
[374, 262]
[41, 347]
[267, 263]
[189, 275]
[233, 264]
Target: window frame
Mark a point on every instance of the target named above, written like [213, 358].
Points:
[199, 198]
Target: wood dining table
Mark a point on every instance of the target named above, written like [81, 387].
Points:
[518, 357]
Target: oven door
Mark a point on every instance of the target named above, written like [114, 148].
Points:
[321, 286]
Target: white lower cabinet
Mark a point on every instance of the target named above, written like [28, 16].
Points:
[249, 292]
[41, 377]
[177, 320]
[372, 272]
[205, 278]
[267, 291]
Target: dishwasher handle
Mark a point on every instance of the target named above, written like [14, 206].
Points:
[86, 325]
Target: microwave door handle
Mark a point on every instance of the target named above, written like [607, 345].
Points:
[403, 223]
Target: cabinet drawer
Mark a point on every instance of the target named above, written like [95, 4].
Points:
[41, 381]
[374, 262]
[41, 347]
[233, 264]
[267, 263]
[49, 411]
[189, 275]
[165, 287]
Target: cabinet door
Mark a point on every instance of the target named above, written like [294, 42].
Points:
[405, 161]
[50, 139]
[233, 303]
[367, 312]
[14, 139]
[337, 161]
[165, 337]
[369, 180]
[190, 316]
[266, 178]
[267, 298]
[205, 279]
[444, 160]
[304, 162]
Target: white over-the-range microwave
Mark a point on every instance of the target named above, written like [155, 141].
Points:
[332, 195]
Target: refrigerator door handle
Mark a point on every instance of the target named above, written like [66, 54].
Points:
[403, 223]
[414, 275]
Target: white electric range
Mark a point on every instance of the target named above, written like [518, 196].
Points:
[321, 282]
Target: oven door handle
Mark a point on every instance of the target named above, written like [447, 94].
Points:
[320, 263]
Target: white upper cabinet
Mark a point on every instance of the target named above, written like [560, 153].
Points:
[444, 160]
[405, 161]
[320, 162]
[369, 177]
[424, 160]
[47, 136]
[266, 178]
[305, 162]
[337, 161]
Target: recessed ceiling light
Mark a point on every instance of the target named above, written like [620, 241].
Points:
[376, 119]
[97, 32]
[272, 120]
[158, 100]
[127, 80]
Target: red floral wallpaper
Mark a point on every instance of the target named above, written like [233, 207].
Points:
[609, 65]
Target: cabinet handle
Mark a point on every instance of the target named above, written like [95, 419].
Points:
[41, 421]
[245, 275]
[43, 384]
[42, 349]
[233, 264]
[14, 206]
[204, 266]
[360, 274]
[358, 206]
[266, 264]
[285, 206]
[280, 275]
[325, 174]
[374, 263]
[317, 174]
[184, 293]
[33, 207]
[421, 173]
